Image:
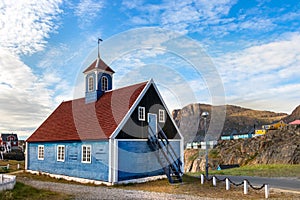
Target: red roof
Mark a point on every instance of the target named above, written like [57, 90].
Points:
[99, 65]
[295, 122]
[75, 120]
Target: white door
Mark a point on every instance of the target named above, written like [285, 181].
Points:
[152, 124]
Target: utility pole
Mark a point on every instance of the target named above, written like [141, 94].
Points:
[204, 115]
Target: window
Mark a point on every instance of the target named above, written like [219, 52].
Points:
[41, 152]
[104, 83]
[86, 154]
[141, 113]
[161, 115]
[61, 153]
[91, 84]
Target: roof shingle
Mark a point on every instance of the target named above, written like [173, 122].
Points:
[75, 120]
[99, 64]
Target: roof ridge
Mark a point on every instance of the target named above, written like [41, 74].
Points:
[98, 63]
[124, 87]
[75, 120]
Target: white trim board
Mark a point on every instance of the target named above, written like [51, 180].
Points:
[83, 180]
[133, 140]
[135, 104]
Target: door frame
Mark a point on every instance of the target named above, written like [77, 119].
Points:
[153, 114]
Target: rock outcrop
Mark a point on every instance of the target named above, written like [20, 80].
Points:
[276, 147]
[293, 116]
[239, 119]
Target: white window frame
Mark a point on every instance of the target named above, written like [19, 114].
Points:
[90, 83]
[41, 152]
[141, 113]
[84, 159]
[161, 115]
[104, 83]
[61, 154]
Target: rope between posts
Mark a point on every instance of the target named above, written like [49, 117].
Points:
[237, 184]
[255, 188]
[220, 179]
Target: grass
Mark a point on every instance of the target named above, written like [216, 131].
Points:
[192, 186]
[25, 192]
[271, 170]
[13, 164]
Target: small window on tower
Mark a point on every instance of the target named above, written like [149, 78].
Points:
[104, 83]
[141, 113]
[91, 84]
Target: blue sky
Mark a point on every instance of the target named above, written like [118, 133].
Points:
[246, 51]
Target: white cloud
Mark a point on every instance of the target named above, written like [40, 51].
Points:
[264, 76]
[182, 16]
[88, 10]
[24, 99]
[25, 25]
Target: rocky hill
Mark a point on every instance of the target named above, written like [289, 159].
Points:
[277, 146]
[238, 119]
[293, 116]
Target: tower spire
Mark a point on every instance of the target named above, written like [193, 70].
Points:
[99, 40]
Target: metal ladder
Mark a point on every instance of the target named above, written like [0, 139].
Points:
[166, 156]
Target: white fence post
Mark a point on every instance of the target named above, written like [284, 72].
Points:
[214, 181]
[245, 187]
[1, 178]
[18, 166]
[202, 179]
[7, 167]
[267, 190]
[227, 184]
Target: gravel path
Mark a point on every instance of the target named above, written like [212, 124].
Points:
[91, 192]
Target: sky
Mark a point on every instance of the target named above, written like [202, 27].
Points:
[241, 52]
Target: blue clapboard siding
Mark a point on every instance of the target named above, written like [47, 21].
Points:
[136, 160]
[72, 166]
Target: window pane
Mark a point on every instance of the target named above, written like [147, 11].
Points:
[141, 113]
[86, 154]
[161, 116]
[91, 84]
[104, 83]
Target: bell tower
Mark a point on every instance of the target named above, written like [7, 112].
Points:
[98, 79]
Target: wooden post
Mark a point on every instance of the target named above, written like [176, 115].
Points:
[245, 187]
[267, 190]
[7, 166]
[214, 181]
[18, 166]
[1, 178]
[227, 184]
[202, 179]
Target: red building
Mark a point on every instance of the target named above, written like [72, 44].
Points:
[9, 140]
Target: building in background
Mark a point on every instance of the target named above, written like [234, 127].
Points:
[9, 141]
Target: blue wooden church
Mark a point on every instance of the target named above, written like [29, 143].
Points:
[110, 136]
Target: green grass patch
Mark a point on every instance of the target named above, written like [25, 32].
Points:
[25, 192]
[213, 153]
[191, 186]
[13, 166]
[266, 170]
[194, 156]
